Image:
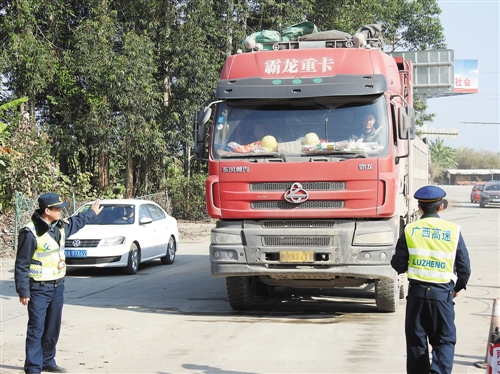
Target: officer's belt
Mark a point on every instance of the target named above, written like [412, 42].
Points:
[429, 292]
[55, 282]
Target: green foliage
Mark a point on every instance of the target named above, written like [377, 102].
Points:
[406, 24]
[30, 169]
[422, 117]
[468, 158]
[442, 157]
[187, 196]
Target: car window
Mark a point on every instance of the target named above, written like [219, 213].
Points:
[492, 187]
[144, 212]
[112, 214]
[156, 212]
[480, 187]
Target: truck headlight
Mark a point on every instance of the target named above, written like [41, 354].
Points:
[224, 238]
[374, 238]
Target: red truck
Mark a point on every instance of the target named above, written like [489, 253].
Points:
[312, 163]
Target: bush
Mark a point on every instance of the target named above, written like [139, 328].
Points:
[187, 197]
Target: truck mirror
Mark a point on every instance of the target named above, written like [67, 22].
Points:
[200, 132]
[204, 115]
[406, 127]
[199, 150]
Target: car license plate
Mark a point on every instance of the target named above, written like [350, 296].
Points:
[75, 253]
[296, 257]
[496, 200]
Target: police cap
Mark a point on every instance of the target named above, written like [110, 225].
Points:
[50, 200]
[429, 194]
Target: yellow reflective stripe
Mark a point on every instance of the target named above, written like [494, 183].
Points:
[431, 253]
[431, 276]
[46, 253]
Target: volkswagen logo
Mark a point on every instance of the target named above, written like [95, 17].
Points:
[76, 243]
[296, 194]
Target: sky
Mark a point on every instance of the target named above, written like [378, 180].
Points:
[471, 29]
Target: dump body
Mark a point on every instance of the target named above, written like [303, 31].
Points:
[302, 196]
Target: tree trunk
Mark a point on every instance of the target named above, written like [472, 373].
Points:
[129, 176]
[103, 170]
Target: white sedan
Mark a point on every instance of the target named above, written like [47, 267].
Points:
[126, 233]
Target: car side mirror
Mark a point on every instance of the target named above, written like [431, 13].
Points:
[145, 220]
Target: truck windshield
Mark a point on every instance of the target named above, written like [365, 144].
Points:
[295, 130]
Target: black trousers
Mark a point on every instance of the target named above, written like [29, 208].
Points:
[433, 321]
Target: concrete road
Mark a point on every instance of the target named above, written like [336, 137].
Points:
[176, 319]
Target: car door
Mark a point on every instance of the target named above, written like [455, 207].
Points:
[148, 235]
[161, 237]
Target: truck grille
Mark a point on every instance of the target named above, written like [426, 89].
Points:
[310, 204]
[298, 224]
[296, 241]
[309, 186]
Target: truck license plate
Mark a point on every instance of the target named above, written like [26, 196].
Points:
[296, 257]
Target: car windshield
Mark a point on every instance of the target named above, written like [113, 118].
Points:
[480, 187]
[295, 130]
[112, 214]
[492, 187]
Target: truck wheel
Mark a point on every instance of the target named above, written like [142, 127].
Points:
[387, 294]
[263, 290]
[240, 292]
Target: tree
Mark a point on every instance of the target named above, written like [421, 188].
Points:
[468, 158]
[406, 24]
[441, 158]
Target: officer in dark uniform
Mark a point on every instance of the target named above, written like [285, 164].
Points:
[39, 276]
[434, 254]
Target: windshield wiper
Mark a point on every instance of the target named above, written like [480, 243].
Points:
[258, 155]
[354, 154]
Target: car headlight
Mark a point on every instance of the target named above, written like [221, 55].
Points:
[224, 238]
[113, 240]
[375, 238]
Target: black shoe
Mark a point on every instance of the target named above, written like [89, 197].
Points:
[54, 369]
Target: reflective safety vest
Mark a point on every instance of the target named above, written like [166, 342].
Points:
[432, 246]
[48, 261]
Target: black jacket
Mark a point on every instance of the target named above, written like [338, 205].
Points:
[26, 245]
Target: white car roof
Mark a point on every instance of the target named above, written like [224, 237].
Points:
[123, 201]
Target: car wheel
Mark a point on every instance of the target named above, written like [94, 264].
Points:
[481, 205]
[133, 260]
[169, 258]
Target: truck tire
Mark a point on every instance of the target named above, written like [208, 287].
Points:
[240, 292]
[263, 290]
[387, 294]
